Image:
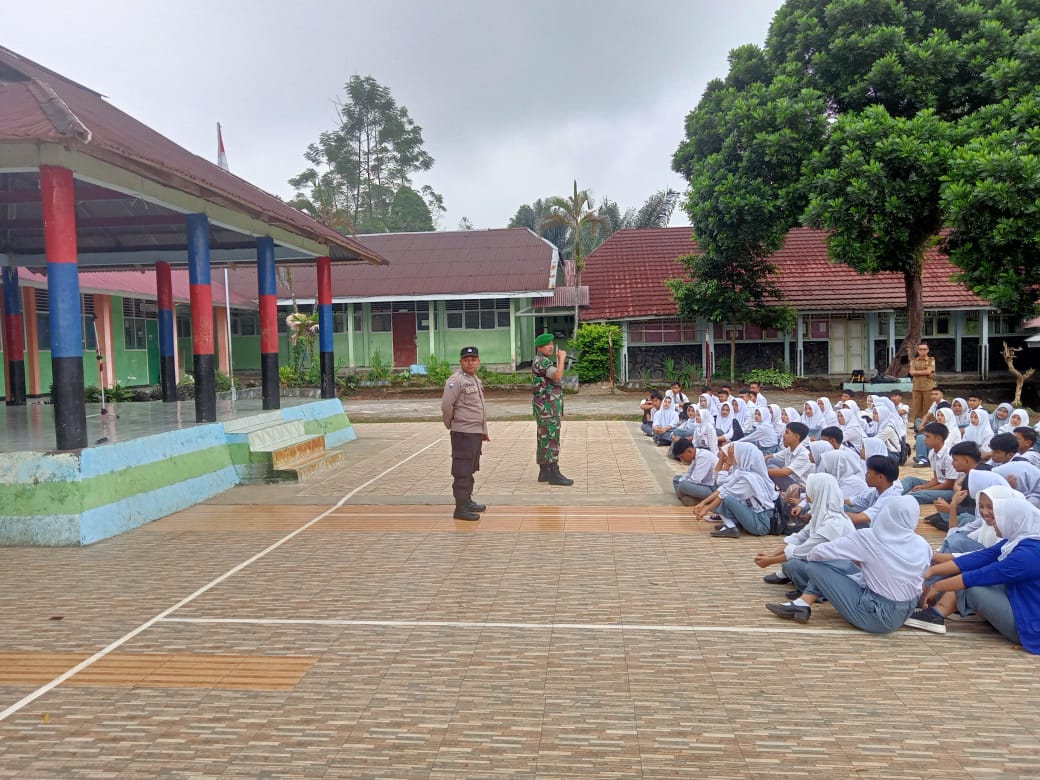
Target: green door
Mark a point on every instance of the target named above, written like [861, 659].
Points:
[151, 329]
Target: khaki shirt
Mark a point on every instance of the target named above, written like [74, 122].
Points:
[923, 364]
[462, 405]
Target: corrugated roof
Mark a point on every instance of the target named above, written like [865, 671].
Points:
[627, 273]
[41, 105]
[458, 263]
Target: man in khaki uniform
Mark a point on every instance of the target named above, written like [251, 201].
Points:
[922, 371]
[463, 412]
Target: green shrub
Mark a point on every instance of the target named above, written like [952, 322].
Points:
[377, 369]
[592, 344]
[222, 381]
[118, 392]
[770, 377]
[91, 394]
[437, 370]
[289, 376]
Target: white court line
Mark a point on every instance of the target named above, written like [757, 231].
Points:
[476, 624]
[18, 705]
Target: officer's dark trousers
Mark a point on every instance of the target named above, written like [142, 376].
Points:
[465, 462]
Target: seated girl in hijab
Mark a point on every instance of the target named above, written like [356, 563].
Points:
[933, 618]
[746, 499]
[873, 576]
[960, 409]
[1023, 477]
[889, 429]
[843, 465]
[1002, 582]
[850, 428]
[979, 430]
[665, 419]
[1000, 420]
[812, 418]
[826, 408]
[829, 522]
[762, 433]
[726, 425]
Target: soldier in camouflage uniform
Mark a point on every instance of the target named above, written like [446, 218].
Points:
[548, 408]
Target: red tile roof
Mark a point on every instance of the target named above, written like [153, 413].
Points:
[436, 264]
[39, 104]
[626, 277]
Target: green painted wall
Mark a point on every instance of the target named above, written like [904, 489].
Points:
[90, 375]
[245, 352]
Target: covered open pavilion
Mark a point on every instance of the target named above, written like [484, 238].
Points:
[84, 185]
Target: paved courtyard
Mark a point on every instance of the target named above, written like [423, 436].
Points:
[348, 627]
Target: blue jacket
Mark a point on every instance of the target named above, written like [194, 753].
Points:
[1020, 573]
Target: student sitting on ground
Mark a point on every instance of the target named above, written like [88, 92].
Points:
[843, 465]
[979, 430]
[944, 475]
[828, 523]
[966, 459]
[1000, 420]
[747, 497]
[813, 419]
[1023, 477]
[962, 512]
[698, 481]
[689, 423]
[791, 466]
[649, 405]
[762, 433]
[933, 618]
[1026, 442]
[872, 577]
[1003, 448]
[882, 486]
[679, 398]
[726, 425]
[1002, 582]
[665, 419]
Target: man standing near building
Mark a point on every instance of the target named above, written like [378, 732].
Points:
[463, 412]
[922, 371]
[548, 408]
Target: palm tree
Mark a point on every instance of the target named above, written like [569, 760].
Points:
[576, 214]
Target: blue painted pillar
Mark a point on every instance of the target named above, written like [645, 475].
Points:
[14, 338]
[267, 285]
[65, 318]
[328, 365]
[167, 336]
[201, 318]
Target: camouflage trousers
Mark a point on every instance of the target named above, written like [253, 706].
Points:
[548, 434]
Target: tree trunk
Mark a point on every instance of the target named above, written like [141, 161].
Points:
[577, 298]
[1020, 378]
[732, 356]
[912, 282]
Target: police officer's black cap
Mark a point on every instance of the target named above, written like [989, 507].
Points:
[469, 352]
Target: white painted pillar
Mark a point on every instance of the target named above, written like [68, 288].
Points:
[350, 335]
[891, 335]
[957, 320]
[431, 313]
[624, 351]
[984, 345]
[800, 348]
[512, 333]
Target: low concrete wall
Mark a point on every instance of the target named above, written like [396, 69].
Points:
[76, 498]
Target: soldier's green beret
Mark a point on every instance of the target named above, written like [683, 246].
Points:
[545, 338]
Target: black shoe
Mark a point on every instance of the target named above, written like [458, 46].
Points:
[543, 472]
[791, 612]
[555, 477]
[463, 512]
[927, 620]
[793, 594]
[473, 506]
[726, 533]
[776, 578]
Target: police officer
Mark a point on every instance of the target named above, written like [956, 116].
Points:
[463, 412]
[548, 407]
[922, 371]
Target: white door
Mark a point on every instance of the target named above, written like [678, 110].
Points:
[855, 338]
[838, 341]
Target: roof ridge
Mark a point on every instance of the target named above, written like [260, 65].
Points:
[58, 112]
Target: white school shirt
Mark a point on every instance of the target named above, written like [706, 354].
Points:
[875, 503]
[677, 400]
[702, 470]
[1032, 456]
[798, 461]
[761, 400]
[904, 412]
[942, 465]
[890, 438]
[876, 573]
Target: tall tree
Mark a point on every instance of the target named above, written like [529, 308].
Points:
[879, 87]
[577, 214]
[363, 163]
[408, 212]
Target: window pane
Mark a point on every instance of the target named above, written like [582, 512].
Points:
[487, 320]
[358, 326]
[381, 323]
[89, 342]
[454, 320]
[503, 319]
[43, 330]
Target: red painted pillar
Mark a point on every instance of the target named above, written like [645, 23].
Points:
[57, 191]
[167, 325]
[325, 350]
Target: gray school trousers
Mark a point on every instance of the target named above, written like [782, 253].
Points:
[992, 603]
[859, 605]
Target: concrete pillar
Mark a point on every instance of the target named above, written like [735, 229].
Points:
[201, 318]
[167, 332]
[327, 357]
[14, 338]
[267, 285]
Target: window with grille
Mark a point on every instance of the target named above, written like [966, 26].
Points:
[484, 314]
[245, 323]
[381, 317]
[135, 313]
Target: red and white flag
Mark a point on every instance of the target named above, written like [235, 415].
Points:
[221, 155]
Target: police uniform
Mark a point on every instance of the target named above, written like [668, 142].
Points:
[922, 386]
[464, 414]
[547, 406]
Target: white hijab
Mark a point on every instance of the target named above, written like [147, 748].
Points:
[1027, 477]
[888, 417]
[979, 432]
[817, 449]
[1023, 422]
[892, 536]
[850, 429]
[724, 423]
[985, 534]
[811, 415]
[976, 482]
[792, 415]
[752, 467]
[872, 446]
[1017, 520]
[829, 417]
[828, 517]
[666, 416]
[1005, 426]
[778, 425]
[962, 418]
[841, 464]
[949, 419]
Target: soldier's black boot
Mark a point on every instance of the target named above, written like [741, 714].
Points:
[473, 506]
[463, 511]
[543, 472]
[555, 477]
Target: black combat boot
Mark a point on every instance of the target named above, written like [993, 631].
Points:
[463, 511]
[543, 472]
[473, 506]
[555, 477]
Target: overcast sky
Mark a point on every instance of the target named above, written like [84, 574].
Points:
[515, 100]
